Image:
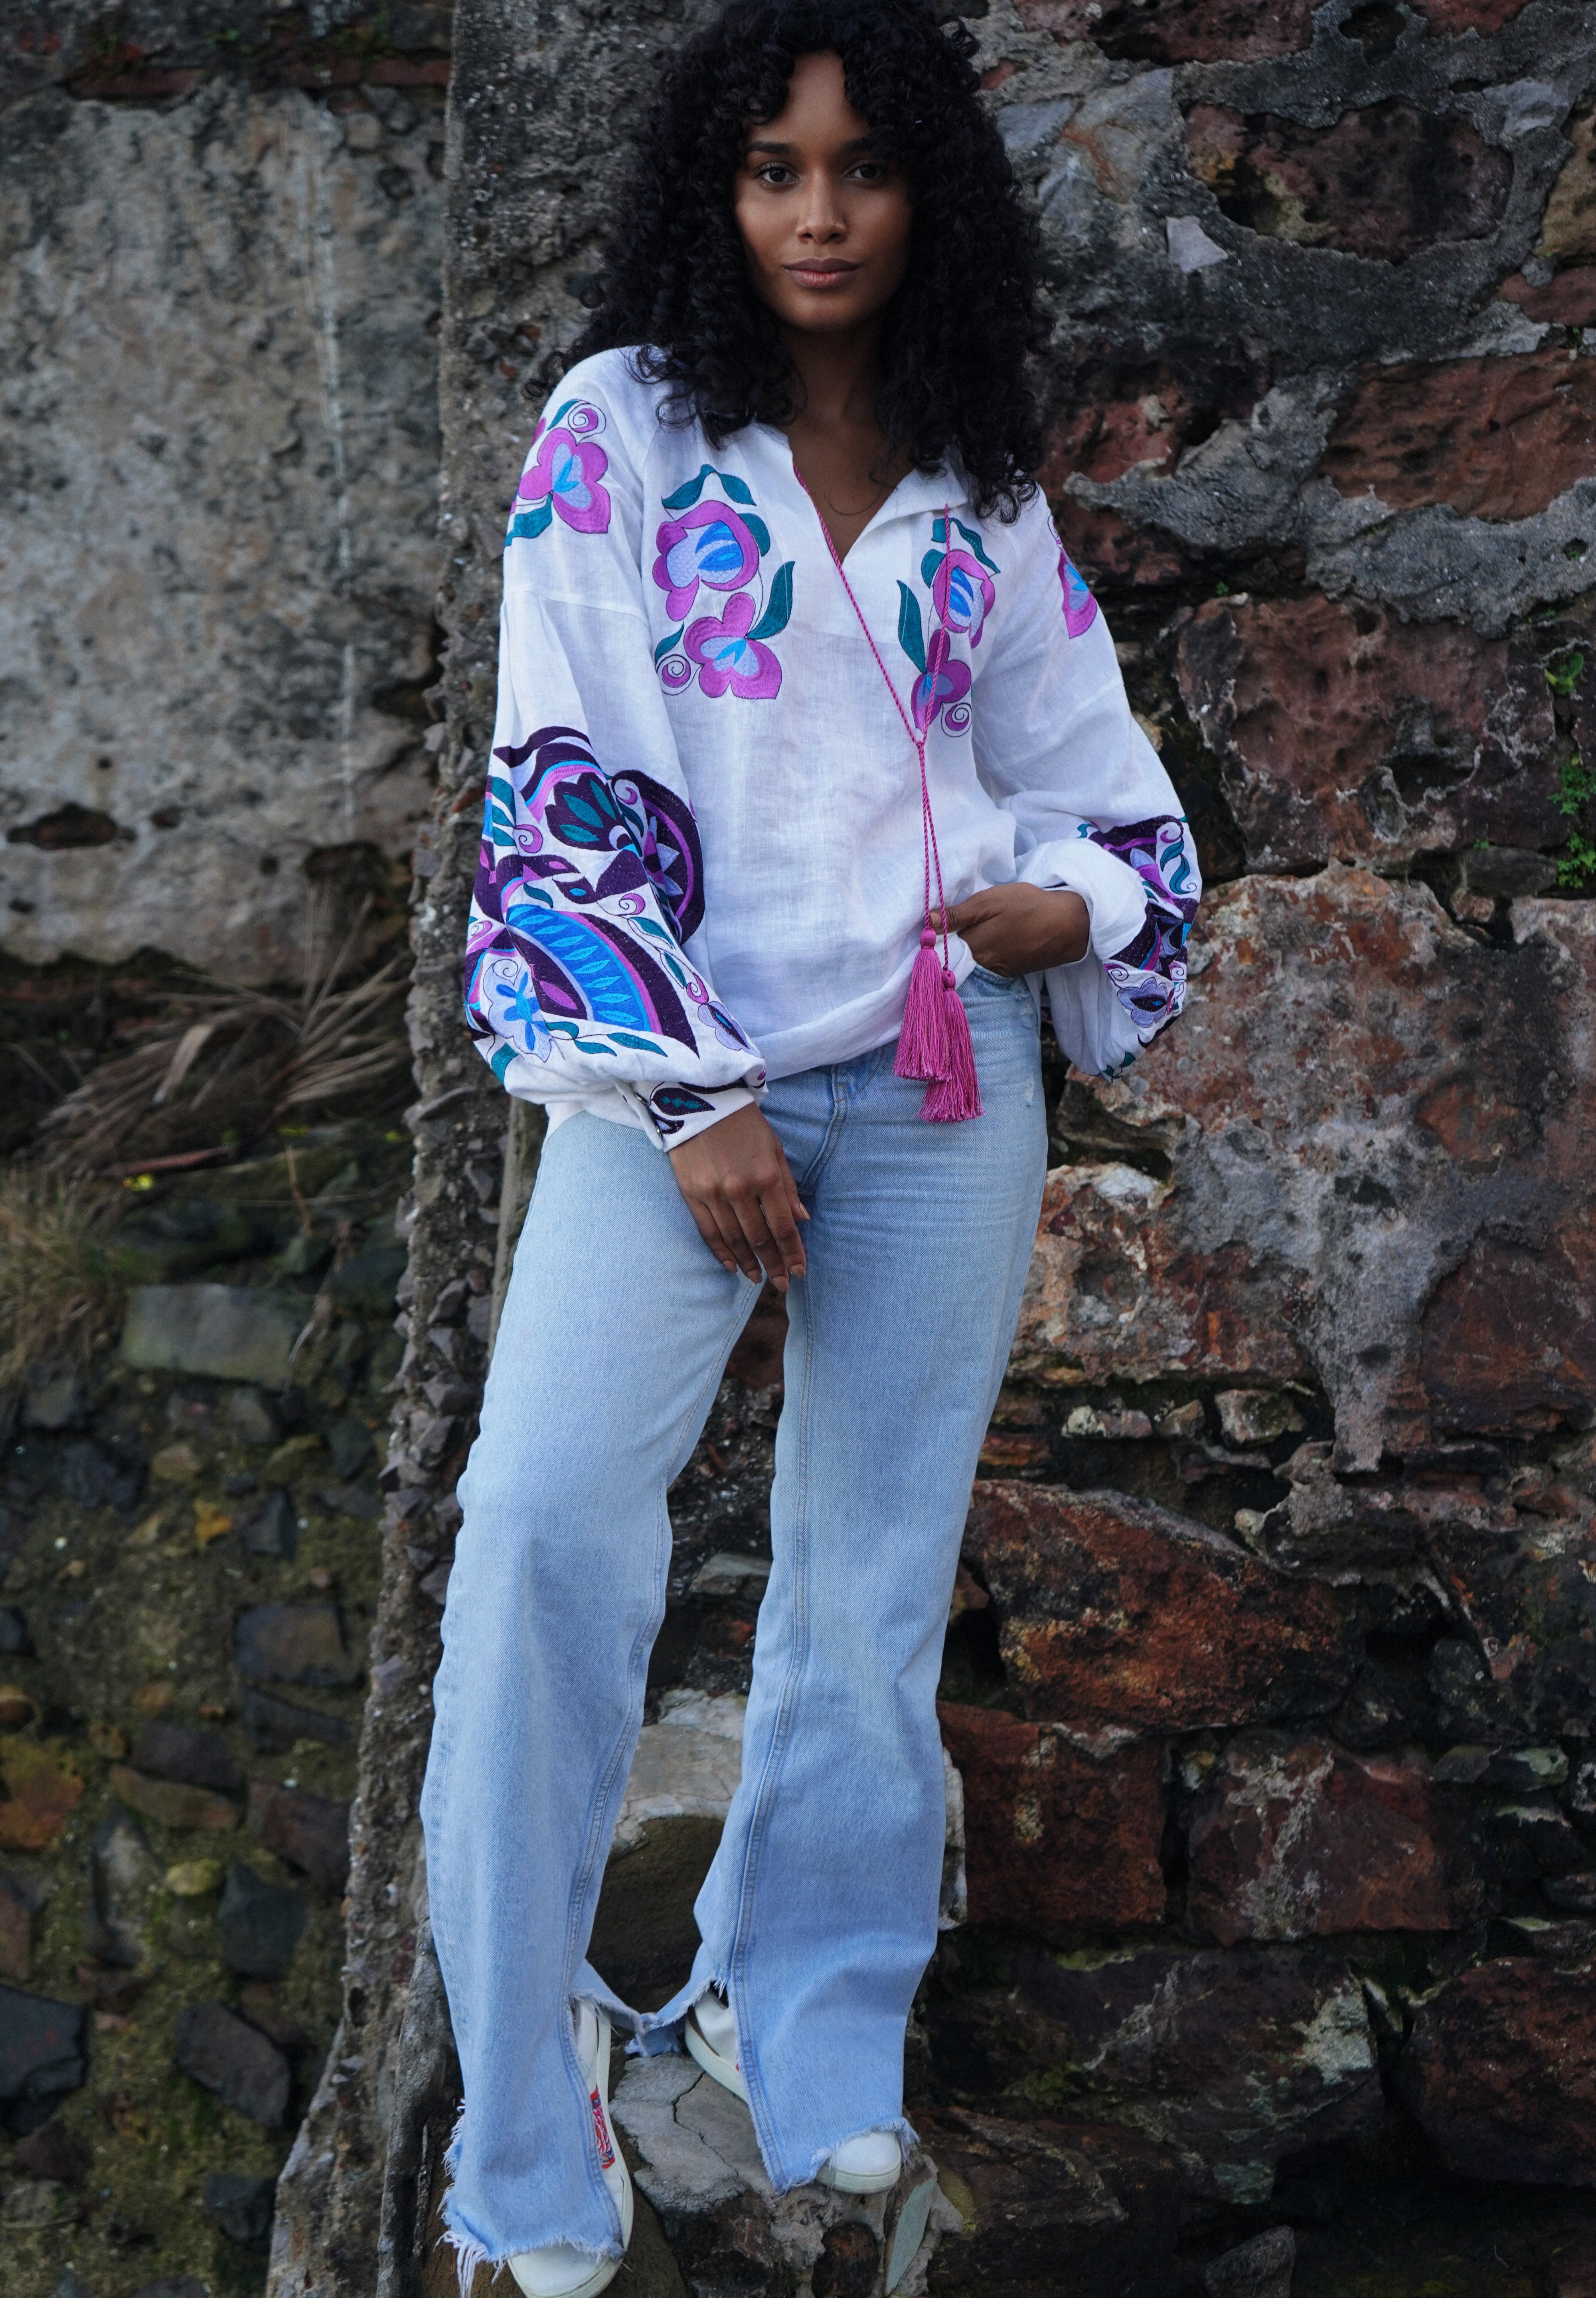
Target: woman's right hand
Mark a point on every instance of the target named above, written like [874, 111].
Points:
[735, 1178]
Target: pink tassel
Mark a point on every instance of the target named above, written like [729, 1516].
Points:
[955, 1095]
[923, 1043]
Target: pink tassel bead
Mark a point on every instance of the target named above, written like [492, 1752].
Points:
[955, 1095]
[923, 1043]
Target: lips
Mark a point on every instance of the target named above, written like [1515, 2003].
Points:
[821, 275]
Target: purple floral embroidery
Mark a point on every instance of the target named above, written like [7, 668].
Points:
[1081, 608]
[672, 854]
[1149, 973]
[944, 680]
[730, 659]
[711, 543]
[708, 544]
[583, 887]
[962, 593]
[563, 476]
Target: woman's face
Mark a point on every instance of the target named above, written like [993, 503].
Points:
[825, 224]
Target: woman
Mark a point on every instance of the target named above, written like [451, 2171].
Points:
[789, 651]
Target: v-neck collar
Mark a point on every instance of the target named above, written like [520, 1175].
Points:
[915, 494]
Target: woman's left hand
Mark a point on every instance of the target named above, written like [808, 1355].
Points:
[1021, 929]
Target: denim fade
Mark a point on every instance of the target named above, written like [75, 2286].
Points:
[819, 1915]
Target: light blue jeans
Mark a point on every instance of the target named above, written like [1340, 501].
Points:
[820, 1912]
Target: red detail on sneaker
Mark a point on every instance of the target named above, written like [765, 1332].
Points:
[606, 2153]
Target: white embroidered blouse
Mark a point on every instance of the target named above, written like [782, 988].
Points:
[701, 860]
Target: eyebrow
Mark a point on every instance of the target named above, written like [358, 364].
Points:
[858, 143]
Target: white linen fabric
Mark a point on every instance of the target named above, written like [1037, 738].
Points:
[701, 857]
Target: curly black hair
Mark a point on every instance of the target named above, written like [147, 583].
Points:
[961, 332]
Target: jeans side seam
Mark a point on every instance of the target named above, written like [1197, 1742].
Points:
[641, 1645]
[781, 1731]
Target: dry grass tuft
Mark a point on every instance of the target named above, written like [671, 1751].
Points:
[59, 1297]
[217, 1063]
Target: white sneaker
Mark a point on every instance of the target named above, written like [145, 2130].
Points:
[861, 2166]
[864, 2166]
[559, 2269]
[712, 2040]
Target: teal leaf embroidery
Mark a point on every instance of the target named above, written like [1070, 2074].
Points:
[759, 531]
[527, 525]
[665, 644]
[910, 635]
[638, 1045]
[939, 534]
[777, 614]
[974, 540]
[929, 563]
[564, 411]
[687, 495]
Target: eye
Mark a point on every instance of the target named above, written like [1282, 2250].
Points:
[776, 174]
[871, 171]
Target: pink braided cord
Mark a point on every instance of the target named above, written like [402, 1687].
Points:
[928, 826]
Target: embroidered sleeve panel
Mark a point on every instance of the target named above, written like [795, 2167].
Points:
[1148, 975]
[587, 886]
[590, 881]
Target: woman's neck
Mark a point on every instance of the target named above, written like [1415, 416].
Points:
[845, 458]
[838, 377]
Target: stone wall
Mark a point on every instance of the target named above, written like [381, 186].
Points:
[220, 246]
[1272, 1672]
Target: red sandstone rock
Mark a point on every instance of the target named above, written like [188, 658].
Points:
[311, 1832]
[172, 1803]
[1509, 1339]
[1301, 1837]
[1110, 550]
[1500, 2072]
[1451, 18]
[1344, 733]
[1053, 1833]
[1495, 438]
[1176, 32]
[1384, 181]
[1115, 1293]
[1570, 300]
[1368, 1087]
[1121, 414]
[43, 1787]
[1139, 422]
[1004, 1450]
[1115, 1612]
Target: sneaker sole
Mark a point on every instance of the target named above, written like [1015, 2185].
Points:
[604, 2270]
[718, 2069]
[858, 2182]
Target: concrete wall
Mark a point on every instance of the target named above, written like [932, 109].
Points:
[220, 449]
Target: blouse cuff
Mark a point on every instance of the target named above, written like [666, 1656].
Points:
[1113, 893]
[674, 1113]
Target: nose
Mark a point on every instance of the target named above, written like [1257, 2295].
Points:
[821, 217]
